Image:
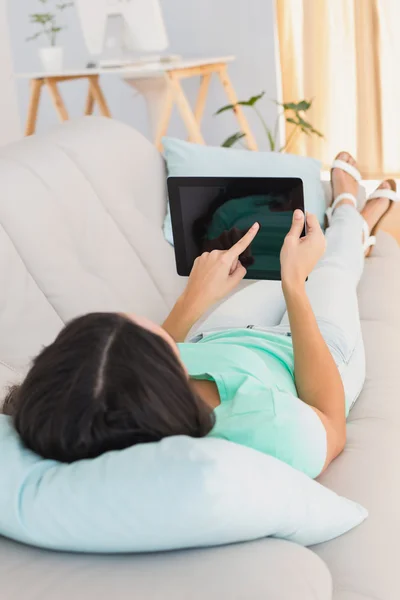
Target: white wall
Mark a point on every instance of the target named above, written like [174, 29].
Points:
[9, 118]
[195, 27]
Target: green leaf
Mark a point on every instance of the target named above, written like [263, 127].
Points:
[308, 126]
[230, 141]
[304, 126]
[224, 109]
[288, 105]
[318, 133]
[64, 5]
[304, 123]
[252, 101]
[297, 106]
[41, 18]
[56, 29]
[304, 105]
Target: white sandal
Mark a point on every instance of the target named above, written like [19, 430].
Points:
[392, 195]
[369, 240]
[347, 168]
[355, 174]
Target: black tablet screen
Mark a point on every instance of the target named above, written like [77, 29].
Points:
[214, 213]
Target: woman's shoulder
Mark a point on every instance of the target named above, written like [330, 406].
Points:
[209, 356]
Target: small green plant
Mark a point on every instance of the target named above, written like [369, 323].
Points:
[48, 23]
[294, 113]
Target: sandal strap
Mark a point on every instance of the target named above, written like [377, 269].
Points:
[344, 196]
[390, 194]
[348, 168]
[369, 240]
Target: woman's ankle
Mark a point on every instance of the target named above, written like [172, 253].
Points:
[345, 202]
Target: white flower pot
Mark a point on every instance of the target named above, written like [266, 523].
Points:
[52, 58]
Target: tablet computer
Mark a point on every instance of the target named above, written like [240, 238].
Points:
[213, 213]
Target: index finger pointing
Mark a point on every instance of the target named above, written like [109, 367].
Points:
[245, 242]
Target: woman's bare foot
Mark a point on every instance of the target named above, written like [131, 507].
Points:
[375, 209]
[342, 181]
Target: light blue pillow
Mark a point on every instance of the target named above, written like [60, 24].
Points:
[191, 160]
[177, 493]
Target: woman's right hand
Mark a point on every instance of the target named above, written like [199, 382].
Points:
[299, 255]
[215, 274]
[226, 240]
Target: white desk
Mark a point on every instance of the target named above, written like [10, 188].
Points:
[160, 83]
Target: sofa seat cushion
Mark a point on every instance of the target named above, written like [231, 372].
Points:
[253, 571]
[364, 563]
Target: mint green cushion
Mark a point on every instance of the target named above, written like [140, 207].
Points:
[191, 160]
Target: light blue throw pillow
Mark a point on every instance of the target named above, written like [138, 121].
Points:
[177, 493]
[191, 160]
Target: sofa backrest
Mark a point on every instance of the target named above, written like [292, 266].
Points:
[81, 210]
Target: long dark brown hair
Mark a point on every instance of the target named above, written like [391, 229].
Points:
[104, 384]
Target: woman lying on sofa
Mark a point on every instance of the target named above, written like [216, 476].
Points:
[110, 381]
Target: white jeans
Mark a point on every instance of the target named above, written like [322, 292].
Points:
[332, 291]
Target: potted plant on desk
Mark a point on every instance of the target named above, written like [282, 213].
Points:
[52, 56]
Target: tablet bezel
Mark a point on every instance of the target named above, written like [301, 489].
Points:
[175, 183]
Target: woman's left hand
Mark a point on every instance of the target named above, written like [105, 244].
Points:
[215, 274]
[300, 255]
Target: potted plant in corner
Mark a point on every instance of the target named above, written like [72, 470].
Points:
[52, 56]
[293, 112]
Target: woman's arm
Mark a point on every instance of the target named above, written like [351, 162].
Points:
[181, 319]
[214, 275]
[317, 377]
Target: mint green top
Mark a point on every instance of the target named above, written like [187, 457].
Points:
[254, 373]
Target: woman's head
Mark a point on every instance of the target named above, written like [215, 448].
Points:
[106, 383]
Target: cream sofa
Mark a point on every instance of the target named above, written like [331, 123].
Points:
[81, 211]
